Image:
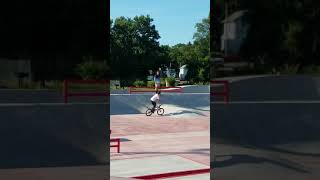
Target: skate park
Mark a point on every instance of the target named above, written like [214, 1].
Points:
[268, 129]
[175, 145]
[273, 131]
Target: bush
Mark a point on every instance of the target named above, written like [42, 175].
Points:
[150, 84]
[311, 70]
[90, 69]
[138, 83]
[201, 75]
[290, 69]
[126, 82]
[162, 82]
[171, 81]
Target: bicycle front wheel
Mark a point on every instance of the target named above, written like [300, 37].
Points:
[148, 112]
[160, 111]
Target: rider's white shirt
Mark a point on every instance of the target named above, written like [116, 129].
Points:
[155, 97]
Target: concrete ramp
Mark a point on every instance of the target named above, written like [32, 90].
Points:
[173, 103]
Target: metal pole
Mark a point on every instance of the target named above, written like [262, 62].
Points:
[65, 91]
[226, 30]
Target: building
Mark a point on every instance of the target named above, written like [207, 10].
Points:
[235, 29]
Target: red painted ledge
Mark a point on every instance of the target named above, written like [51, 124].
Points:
[174, 174]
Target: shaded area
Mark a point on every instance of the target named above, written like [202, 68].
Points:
[235, 159]
[43, 96]
[288, 151]
[26, 147]
[266, 124]
[288, 133]
[291, 87]
[53, 135]
[57, 173]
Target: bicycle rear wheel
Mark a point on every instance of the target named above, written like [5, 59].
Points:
[160, 111]
[149, 112]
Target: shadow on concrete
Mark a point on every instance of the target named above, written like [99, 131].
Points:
[288, 87]
[29, 148]
[53, 135]
[282, 150]
[204, 152]
[266, 125]
[184, 112]
[236, 159]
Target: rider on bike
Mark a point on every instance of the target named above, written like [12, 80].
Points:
[154, 99]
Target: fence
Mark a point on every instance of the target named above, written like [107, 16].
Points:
[226, 89]
[117, 141]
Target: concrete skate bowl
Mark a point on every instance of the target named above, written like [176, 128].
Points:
[277, 113]
[53, 135]
[172, 103]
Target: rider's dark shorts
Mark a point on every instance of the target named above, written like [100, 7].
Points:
[154, 104]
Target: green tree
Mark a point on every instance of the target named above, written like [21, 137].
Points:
[202, 48]
[134, 43]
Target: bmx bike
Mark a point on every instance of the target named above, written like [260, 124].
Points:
[158, 108]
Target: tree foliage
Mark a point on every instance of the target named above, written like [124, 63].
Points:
[283, 31]
[134, 43]
[280, 32]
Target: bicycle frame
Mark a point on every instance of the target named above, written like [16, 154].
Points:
[156, 108]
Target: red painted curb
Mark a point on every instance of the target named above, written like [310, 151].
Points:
[226, 89]
[133, 89]
[174, 174]
[67, 94]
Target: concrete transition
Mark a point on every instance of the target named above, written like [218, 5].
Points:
[173, 103]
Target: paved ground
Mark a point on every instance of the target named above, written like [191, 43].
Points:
[177, 141]
[269, 130]
[42, 138]
[57, 173]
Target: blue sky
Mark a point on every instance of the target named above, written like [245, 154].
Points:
[174, 19]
